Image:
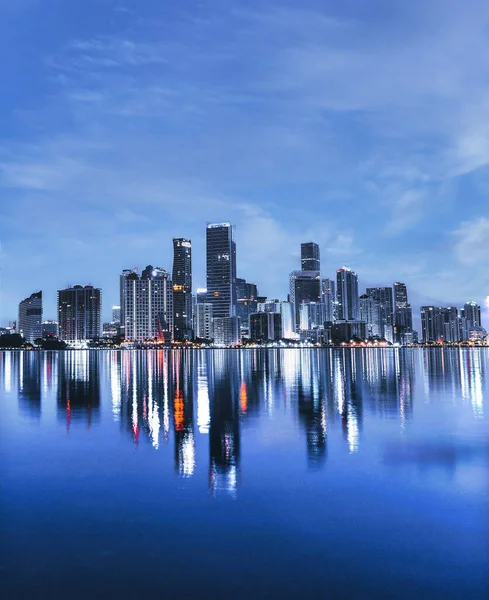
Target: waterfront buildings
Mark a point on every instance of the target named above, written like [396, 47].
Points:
[403, 315]
[29, 323]
[328, 297]
[383, 319]
[266, 327]
[182, 289]
[203, 321]
[305, 286]
[246, 302]
[348, 308]
[221, 269]
[79, 313]
[226, 331]
[147, 305]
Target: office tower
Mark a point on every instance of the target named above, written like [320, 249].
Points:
[432, 324]
[470, 318]
[246, 302]
[403, 315]
[384, 305]
[49, 329]
[265, 327]
[147, 305]
[451, 324]
[29, 324]
[221, 269]
[347, 295]
[312, 316]
[286, 312]
[116, 314]
[182, 289]
[79, 311]
[328, 297]
[226, 331]
[305, 286]
[310, 260]
[369, 314]
[203, 321]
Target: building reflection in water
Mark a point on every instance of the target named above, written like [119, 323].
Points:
[189, 393]
[78, 386]
[224, 433]
[183, 409]
[311, 405]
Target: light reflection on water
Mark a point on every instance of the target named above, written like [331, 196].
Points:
[256, 426]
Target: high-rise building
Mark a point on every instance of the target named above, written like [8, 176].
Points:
[432, 324]
[221, 269]
[286, 312]
[226, 331]
[451, 324]
[265, 327]
[403, 315]
[116, 314]
[369, 314]
[310, 258]
[79, 313]
[29, 324]
[305, 286]
[246, 302]
[470, 318]
[384, 306]
[182, 289]
[328, 297]
[146, 305]
[347, 295]
[203, 321]
[312, 316]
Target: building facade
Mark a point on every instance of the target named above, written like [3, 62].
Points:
[29, 322]
[226, 331]
[182, 289]
[328, 297]
[146, 305]
[221, 269]
[203, 321]
[265, 327]
[79, 313]
[348, 307]
[310, 257]
[305, 286]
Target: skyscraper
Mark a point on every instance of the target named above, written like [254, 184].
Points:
[470, 317]
[403, 315]
[79, 313]
[384, 306]
[221, 269]
[246, 302]
[329, 298]
[29, 324]
[146, 305]
[347, 294]
[116, 314]
[182, 289]
[310, 259]
[432, 324]
[305, 286]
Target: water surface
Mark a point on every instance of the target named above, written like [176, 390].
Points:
[245, 474]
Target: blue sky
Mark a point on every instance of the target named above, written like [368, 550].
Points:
[361, 125]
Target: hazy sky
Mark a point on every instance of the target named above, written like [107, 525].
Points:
[361, 125]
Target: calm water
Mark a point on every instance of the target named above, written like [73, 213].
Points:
[245, 474]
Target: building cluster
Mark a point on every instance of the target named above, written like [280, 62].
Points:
[157, 306]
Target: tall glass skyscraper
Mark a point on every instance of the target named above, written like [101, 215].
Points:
[221, 269]
[79, 313]
[403, 315]
[385, 309]
[347, 294]
[182, 289]
[29, 324]
[305, 286]
[329, 298]
[310, 259]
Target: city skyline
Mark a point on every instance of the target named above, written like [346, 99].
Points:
[113, 140]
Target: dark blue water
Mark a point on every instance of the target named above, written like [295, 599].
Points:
[245, 474]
